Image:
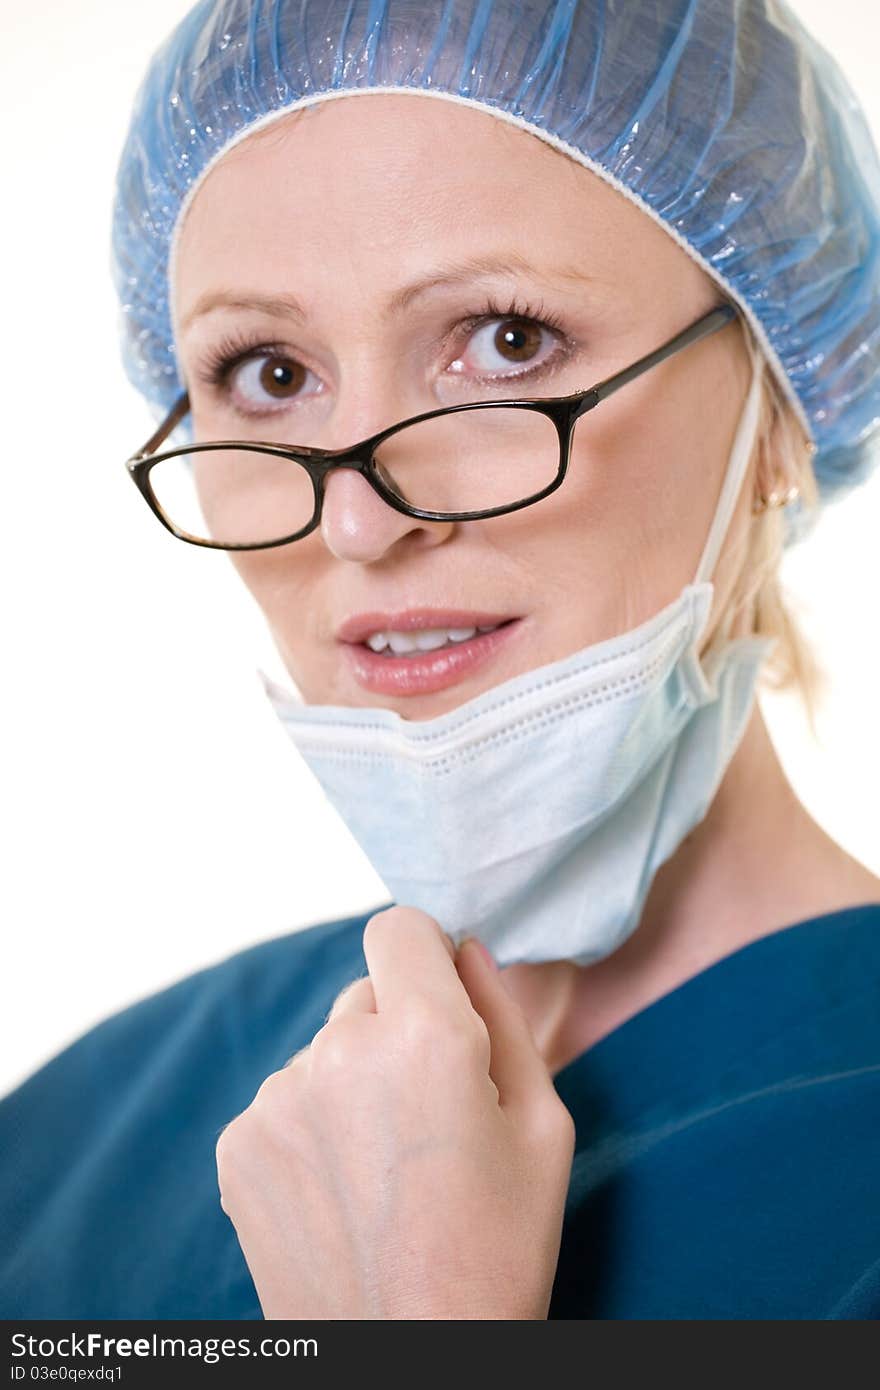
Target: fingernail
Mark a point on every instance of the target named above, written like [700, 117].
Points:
[486, 954]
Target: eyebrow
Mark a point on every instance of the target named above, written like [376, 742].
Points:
[454, 273]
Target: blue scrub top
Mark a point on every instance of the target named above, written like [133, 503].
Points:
[727, 1161]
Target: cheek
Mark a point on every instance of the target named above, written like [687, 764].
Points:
[283, 586]
[623, 534]
[289, 589]
[619, 494]
[650, 479]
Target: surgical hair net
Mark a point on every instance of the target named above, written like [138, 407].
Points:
[724, 120]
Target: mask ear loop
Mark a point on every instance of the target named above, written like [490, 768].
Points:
[701, 675]
[740, 457]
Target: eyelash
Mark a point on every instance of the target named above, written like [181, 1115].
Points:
[219, 362]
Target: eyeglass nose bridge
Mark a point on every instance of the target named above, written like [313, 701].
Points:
[358, 458]
[322, 462]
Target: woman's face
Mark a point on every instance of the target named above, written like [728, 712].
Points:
[413, 253]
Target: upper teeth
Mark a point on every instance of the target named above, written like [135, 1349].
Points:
[425, 640]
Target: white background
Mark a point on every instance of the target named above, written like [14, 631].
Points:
[155, 816]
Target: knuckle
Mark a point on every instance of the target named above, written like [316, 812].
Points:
[228, 1153]
[270, 1111]
[567, 1129]
[551, 1124]
[419, 1025]
[224, 1142]
[336, 1047]
[343, 995]
[434, 1036]
[273, 1092]
[473, 1038]
[362, 985]
[292, 1061]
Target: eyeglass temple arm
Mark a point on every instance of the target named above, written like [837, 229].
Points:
[178, 410]
[709, 323]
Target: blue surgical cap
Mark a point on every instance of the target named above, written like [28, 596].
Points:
[723, 120]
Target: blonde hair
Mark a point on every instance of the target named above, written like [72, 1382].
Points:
[782, 459]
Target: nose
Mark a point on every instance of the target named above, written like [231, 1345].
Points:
[357, 524]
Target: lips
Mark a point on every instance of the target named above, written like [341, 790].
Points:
[422, 673]
[362, 625]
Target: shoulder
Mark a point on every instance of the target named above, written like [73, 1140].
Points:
[728, 1139]
[246, 1009]
[108, 1192]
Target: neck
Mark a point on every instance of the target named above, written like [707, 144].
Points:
[756, 863]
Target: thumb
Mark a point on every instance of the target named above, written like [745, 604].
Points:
[516, 1067]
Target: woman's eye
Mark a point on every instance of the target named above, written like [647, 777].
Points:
[267, 381]
[503, 344]
[262, 379]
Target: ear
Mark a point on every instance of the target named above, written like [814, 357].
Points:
[781, 450]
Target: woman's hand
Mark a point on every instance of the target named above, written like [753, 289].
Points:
[413, 1161]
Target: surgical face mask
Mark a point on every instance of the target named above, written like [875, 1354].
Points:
[536, 815]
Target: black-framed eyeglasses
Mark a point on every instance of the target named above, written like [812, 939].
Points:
[458, 463]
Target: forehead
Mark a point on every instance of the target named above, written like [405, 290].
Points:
[372, 190]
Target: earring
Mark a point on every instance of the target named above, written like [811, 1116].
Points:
[776, 499]
[782, 499]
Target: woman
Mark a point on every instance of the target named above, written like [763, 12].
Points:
[526, 641]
